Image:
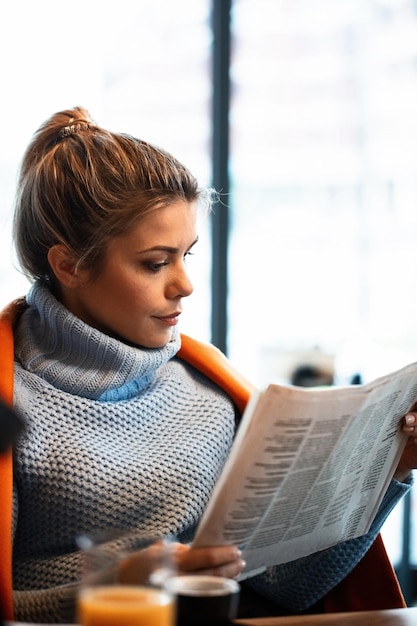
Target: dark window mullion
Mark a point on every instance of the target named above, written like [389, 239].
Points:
[220, 171]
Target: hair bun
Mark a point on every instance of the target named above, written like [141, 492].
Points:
[73, 129]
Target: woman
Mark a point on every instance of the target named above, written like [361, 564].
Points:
[120, 432]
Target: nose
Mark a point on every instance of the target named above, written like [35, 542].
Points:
[181, 285]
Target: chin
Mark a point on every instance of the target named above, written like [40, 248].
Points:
[156, 343]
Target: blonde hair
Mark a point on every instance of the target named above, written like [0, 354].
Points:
[81, 185]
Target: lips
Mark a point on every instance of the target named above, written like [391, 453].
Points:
[170, 320]
[170, 316]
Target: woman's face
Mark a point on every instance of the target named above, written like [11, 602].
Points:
[138, 294]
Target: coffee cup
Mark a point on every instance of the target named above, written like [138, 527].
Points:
[204, 599]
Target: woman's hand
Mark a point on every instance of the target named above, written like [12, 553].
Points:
[408, 460]
[218, 561]
[215, 561]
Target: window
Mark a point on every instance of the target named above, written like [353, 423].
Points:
[324, 146]
[323, 261]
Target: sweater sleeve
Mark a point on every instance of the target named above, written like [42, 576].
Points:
[299, 584]
[57, 605]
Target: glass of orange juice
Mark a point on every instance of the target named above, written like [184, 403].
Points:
[123, 587]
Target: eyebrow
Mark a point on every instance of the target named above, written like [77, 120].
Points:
[168, 249]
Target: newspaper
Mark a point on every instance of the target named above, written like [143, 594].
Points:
[308, 468]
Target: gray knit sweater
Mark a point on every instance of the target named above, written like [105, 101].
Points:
[129, 439]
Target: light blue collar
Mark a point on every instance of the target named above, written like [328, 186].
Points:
[74, 357]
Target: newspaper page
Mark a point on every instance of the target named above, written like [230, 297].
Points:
[308, 468]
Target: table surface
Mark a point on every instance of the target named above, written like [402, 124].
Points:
[391, 617]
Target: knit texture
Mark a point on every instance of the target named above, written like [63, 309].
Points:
[127, 439]
[87, 463]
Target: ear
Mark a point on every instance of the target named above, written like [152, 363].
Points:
[64, 266]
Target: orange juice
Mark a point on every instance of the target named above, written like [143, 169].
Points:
[123, 605]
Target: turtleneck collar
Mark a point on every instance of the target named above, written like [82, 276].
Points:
[74, 357]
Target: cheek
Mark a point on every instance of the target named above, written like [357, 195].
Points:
[131, 289]
[141, 297]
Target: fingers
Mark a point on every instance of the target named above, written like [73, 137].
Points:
[229, 570]
[224, 561]
[219, 561]
[409, 425]
[408, 460]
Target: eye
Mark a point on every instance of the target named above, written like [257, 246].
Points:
[155, 267]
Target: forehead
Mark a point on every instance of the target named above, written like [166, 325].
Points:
[170, 215]
[176, 222]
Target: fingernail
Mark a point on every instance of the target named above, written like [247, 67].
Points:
[410, 419]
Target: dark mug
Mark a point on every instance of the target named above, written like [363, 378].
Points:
[205, 599]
